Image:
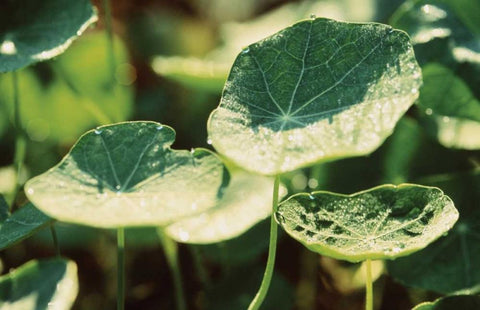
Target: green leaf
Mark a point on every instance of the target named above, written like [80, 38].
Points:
[78, 80]
[318, 90]
[20, 225]
[451, 303]
[450, 264]
[384, 222]
[46, 284]
[455, 21]
[32, 31]
[126, 175]
[453, 112]
[247, 201]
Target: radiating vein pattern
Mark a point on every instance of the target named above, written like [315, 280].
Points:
[384, 222]
[342, 84]
[125, 175]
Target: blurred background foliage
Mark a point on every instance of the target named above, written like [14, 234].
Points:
[171, 60]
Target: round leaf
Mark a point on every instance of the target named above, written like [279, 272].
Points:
[47, 284]
[318, 90]
[126, 175]
[451, 264]
[32, 31]
[247, 200]
[384, 222]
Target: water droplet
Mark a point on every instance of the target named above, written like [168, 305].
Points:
[192, 150]
[396, 250]
[98, 131]
[313, 16]
[414, 90]
[291, 138]
[429, 111]
[245, 50]
[117, 187]
[209, 141]
[312, 183]
[183, 235]
[159, 127]
[446, 119]
[310, 196]
[30, 191]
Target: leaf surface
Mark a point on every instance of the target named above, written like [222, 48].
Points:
[451, 264]
[318, 90]
[126, 175]
[21, 224]
[247, 200]
[381, 223]
[45, 284]
[32, 31]
[451, 303]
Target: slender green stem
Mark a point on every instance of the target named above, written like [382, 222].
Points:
[369, 286]
[272, 249]
[55, 240]
[120, 269]
[20, 141]
[110, 45]
[171, 253]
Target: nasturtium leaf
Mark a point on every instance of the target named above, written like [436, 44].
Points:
[32, 31]
[454, 112]
[21, 224]
[318, 90]
[452, 263]
[384, 222]
[467, 302]
[247, 200]
[455, 21]
[78, 80]
[126, 175]
[45, 284]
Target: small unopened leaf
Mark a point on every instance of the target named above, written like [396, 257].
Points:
[32, 31]
[452, 303]
[46, 284]
[126, 175]
[381, 223]
[317, 90]
[247, 200]
[21, 224]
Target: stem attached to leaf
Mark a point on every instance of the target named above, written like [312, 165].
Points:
[120, 269]
[272, 249]
[55, 239]
[109, 31]
[20, 141]
[171, 253]
[369, 286]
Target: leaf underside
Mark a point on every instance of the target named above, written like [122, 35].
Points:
[381, 223]
[318, 90]
[46, 284]
[40, 30]
[247, 200]
[126, 175]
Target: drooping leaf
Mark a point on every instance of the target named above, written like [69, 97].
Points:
[32, 31]
[450, 264]
[73, 93]
[451, 303]
[318, 90]
[21, 224]
[384, 222]
[126, 175]
[45, 284]
[247, 200]
[453, 112]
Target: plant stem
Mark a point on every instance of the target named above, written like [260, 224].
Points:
[369, 286]
[171, 253]
[110, 45]
[20, 142]
[272, 249]
[120, 269]
[55, 240]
